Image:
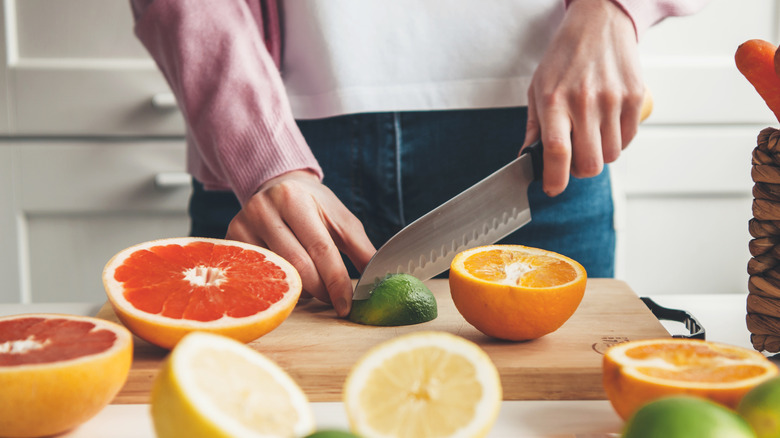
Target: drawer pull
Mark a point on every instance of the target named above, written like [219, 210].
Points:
[172, 180]
[164, 101]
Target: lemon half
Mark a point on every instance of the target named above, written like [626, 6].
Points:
[423, 384]
[213, 386]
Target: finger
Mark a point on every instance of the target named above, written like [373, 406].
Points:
[350, 237]
[556, 128]
[281, 240]
[239, 230]
[631, 116]
[309, 227]
[587, 155]
[532, 130]
[611, 131]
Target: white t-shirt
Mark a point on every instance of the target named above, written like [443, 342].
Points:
[352, 56]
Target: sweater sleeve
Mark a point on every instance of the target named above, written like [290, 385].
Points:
[646, 13]
[228, 87]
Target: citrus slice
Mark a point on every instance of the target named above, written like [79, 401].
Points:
[57, 371]
[684, 416]
[760, 407]
[637, 372]
[516, 292]
[164, 289]
[213, 386]
[397, 299]
[423, 384]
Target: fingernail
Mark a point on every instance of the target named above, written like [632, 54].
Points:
[342, 309]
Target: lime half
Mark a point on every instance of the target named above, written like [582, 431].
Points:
[398, 299]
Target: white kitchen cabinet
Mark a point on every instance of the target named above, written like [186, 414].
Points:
[81, 145]
[74, 68]
[74, 204]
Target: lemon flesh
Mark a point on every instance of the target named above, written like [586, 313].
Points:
[686, 417]
[761, 408]
[423, 384]
[213, 386]
[332, 433]
[398, 299]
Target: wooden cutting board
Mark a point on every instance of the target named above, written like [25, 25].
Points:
[318, 349]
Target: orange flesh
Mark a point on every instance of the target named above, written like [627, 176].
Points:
[536, 271]
[26, 341]
[694, 363]
[201, 281]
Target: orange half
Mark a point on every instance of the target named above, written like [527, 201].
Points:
[516, 292]
[637, 372]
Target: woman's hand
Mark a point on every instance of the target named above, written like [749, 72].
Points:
[585, 96]
[297, 217]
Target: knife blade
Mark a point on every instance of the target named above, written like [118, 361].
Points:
[481, 215]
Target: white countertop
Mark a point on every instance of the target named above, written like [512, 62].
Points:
[723, 317]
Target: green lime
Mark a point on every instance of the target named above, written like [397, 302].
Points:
[761, 408]
[685, 417]
[398, 299]
[332, 433]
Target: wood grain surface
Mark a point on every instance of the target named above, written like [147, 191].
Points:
[318, 349]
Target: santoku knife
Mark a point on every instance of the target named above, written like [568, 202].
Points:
[481, 215]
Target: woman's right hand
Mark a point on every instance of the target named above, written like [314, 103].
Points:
[299, 218]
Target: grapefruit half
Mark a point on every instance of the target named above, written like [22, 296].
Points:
[163, 289]
[57, 371]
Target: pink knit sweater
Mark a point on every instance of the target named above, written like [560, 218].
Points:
[221, 58]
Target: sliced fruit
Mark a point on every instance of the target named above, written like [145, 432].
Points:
[163, 289]
[638, 372]
[423, 384]
[398, 299]
[213, 386]
[58, 371]
[332, 433]
[761, 408]
[686, 417]
[515, 292]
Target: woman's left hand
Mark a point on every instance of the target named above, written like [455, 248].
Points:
[585, 97]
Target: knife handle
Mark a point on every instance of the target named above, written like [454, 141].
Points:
[536, 151]
[535, 148]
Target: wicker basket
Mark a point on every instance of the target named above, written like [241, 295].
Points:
[763, 301]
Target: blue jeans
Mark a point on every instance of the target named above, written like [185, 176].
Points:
[391, 168]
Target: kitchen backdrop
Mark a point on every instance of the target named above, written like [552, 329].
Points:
[92, 151]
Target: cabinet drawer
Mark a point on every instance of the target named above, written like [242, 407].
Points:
[105, 176]
[69, 206]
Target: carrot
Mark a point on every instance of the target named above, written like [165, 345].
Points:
[756, 61]
[777, 61]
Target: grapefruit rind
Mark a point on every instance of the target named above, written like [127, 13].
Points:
[180, 406]
[628, 388]
[49, 398]
[166, 332]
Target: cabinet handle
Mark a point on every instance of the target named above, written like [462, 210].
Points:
[164, 101]
[172, 180]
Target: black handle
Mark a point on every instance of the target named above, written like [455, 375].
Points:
[694, 327]
[536, 151]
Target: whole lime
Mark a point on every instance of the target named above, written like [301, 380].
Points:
[761, 408]
[684, 416]
[397, 299]
[332, 433]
